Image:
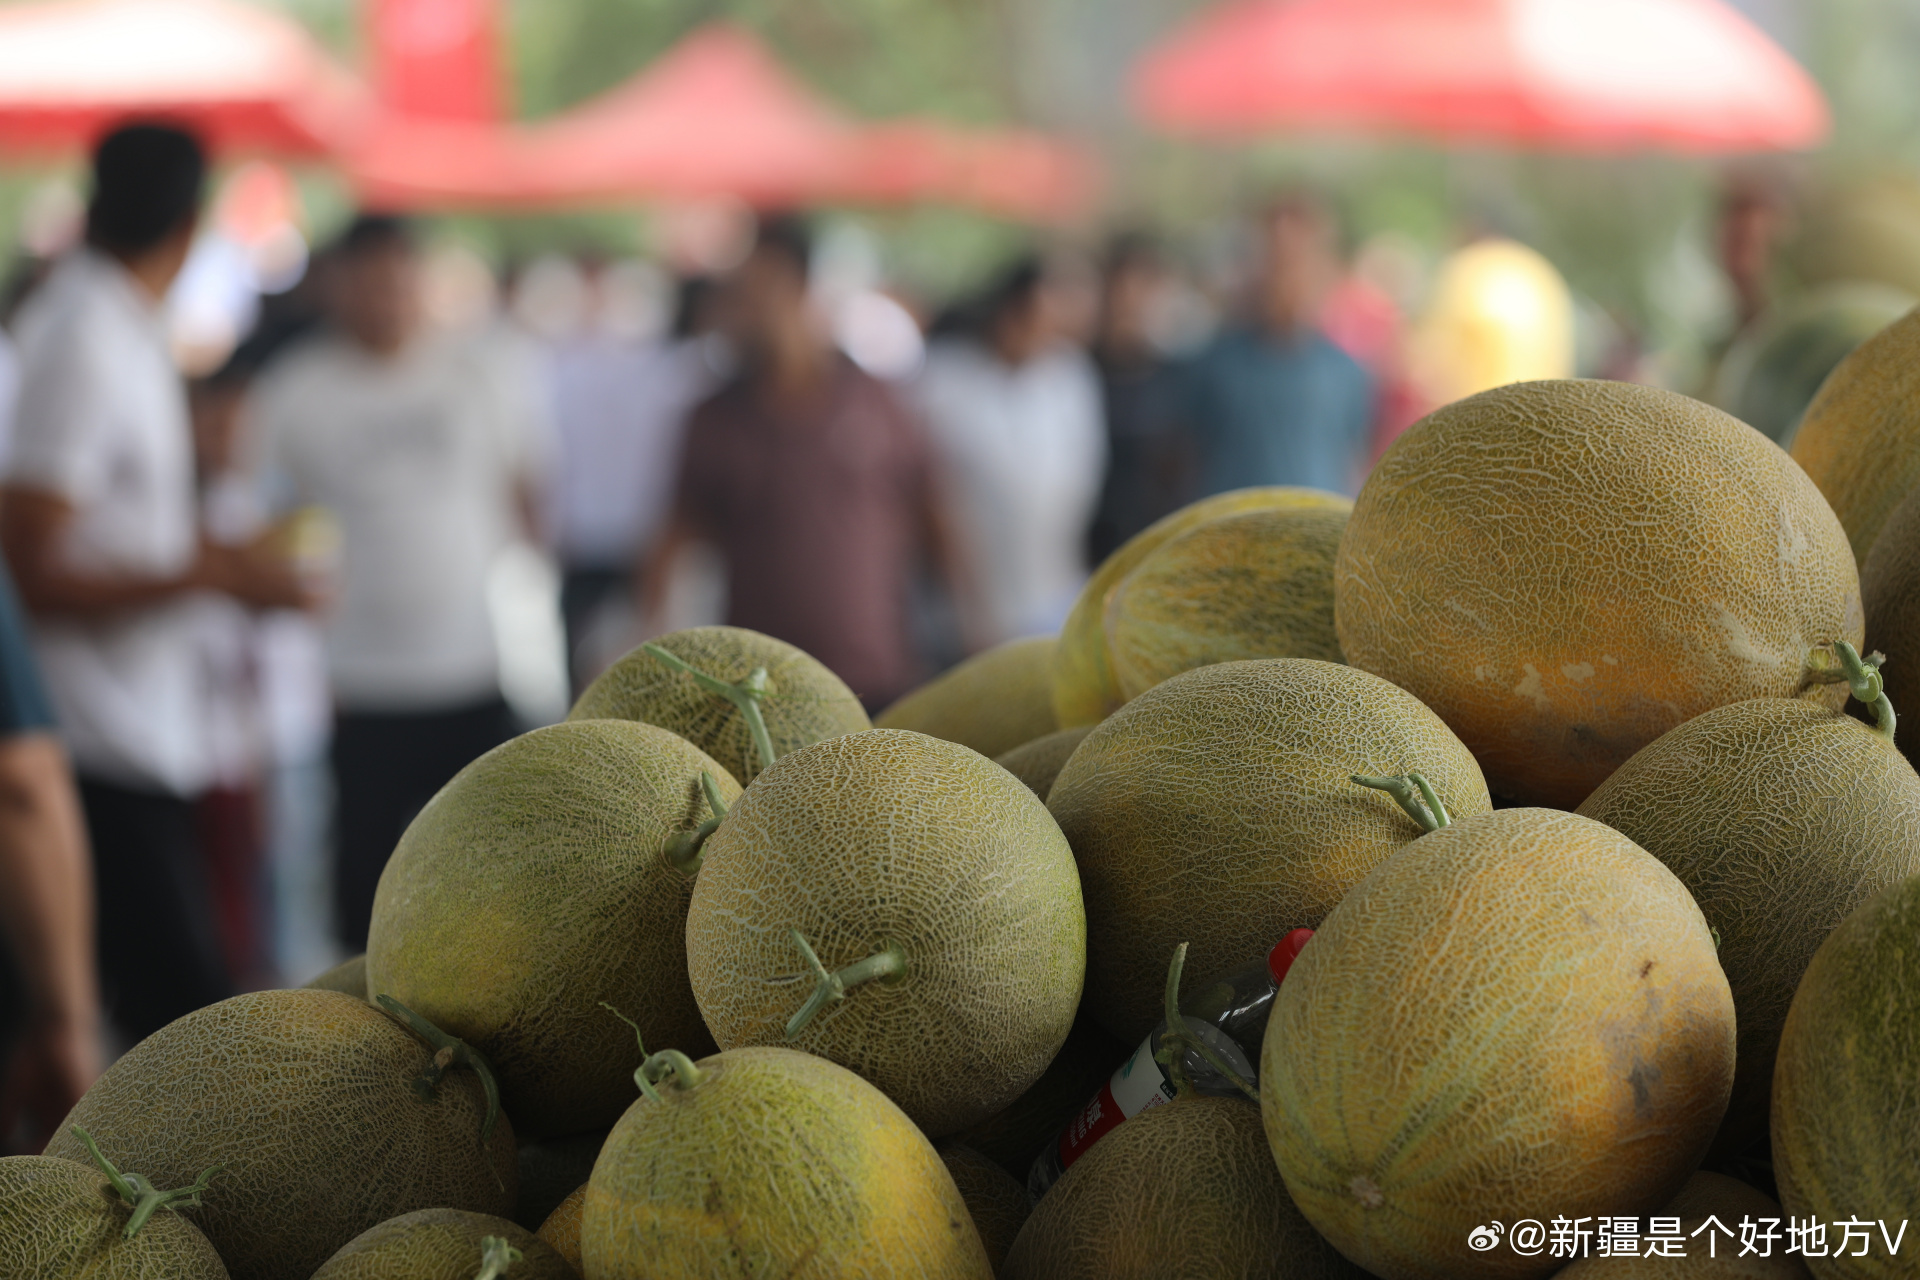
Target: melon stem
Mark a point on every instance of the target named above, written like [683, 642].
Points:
[1413, 793]
[496, 1255]
[1178, 1038]
[684, 848]
[667, 1063]
[145, 1198]
[745, 696]
[1862, 678]
[887, 963]
[448, 1051]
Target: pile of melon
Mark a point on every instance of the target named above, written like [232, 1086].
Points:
[1569, 739]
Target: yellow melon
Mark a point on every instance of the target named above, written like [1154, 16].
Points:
[60, 1221]
[1518, 1016]
[1707, 1250]
[1014, 1137]
[1890, 589]
[1860, 440]
[1254, 585]
[1566, 570]
[1039, 762]
[349, 977]
[1846, 1089]
[935, 886]
[561, 1230]
[992, 702]
[446, 1244]
[995, 1199]
[1085, 690]
[770, 1162]
[1218, 809]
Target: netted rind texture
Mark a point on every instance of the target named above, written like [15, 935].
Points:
[1186, 1189]
[1014, 1136]
[561, 1230]
[532, 891]
[804, 702]
[1085, 689]
[60, 1221]
[1254, 585]
[1860, 439]
[1039, 762]
[1218, 809]
[1846, 1090]
[1517, 1016]
[995, 1199]
[1566, 570]
[776, 1163]
[992, 702]
[441, 1244]
[307, 1099]
[894, 838]
[349, 978]
[1890, 590]
[1781, 817]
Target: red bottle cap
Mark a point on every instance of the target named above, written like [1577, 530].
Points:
[1285, 952]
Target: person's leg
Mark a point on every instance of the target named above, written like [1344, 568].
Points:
[583, 590]
[451, 740]
[372, 782]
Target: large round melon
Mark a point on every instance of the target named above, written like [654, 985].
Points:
[1890, 588]
[1860, 440]
[774, 1163]
[1846, 1088]
[1217, 809]
[532, 891]
[1085, 689]
[1254, 585]
[804, 702]
[309, 1102]
[59, 1221]
[892, 839]
[441, 1244]
[992, 702]
[1039, 762]
[1519, 1016]
[1566, 570]
[1707, 1251]
[1781, 817]
[1185, 1189]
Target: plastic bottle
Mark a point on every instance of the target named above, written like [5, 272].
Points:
[1229, 1014]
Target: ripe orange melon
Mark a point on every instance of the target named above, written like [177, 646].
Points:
[1518, 1016]
[349, 977]
[1890, 589]
[770, 1162]
[1860, 440]
[1085, 690]
[1781, 817]
[1254, 585]
[533, 891]
[1015, 1136]
[992, 702]
[1039, 762]
[1707, 1252]
[444, 1244]
[804, 702]
[318, 1108]
[62, 1221]
[995, 1199]
[1184, 1189]
[1566, 570]
[1218, 809]
[1846, 1088]
[561, 1230]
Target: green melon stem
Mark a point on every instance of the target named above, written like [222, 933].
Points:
[1178, 1038]
[496, 1255]
[887, 963]
[448, 1052]
[145, 1198]
[745, 695]
[1861, 676]
[1413, 793]
[684, 849]
[668, 1063]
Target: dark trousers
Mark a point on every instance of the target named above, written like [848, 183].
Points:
[159, 943]
[386, 766]
[583, 590]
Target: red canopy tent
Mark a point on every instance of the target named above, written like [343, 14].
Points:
[244, 78]
[1683, 74]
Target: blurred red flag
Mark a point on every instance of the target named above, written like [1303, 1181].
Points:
[436, 59]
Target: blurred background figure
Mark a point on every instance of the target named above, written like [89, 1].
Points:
[811, 480]
[424, 447]
[1012, 404]
[1498, 313]
[1273, 401]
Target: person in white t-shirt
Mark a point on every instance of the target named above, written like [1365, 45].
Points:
[424, 448]
[99, 527]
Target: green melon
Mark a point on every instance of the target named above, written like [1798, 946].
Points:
[349, 978]
[62, 1221]
[1014, 1137]
[1039, 762]
[924, 871]
[995, 1199]
[992, 702]
[1217, 809]
[446, 1244]
[1775, 368]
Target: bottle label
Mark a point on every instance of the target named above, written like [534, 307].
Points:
[1140, 1083]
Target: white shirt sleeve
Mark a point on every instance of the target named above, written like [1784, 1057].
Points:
[61, 423]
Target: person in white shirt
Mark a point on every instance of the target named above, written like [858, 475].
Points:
[99, 527]
[1014, 411]
[424, 447]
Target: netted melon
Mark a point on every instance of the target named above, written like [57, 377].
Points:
[902, 906]
[1254, 585]
[325, 1116]
[995, 1199]
[1015, 1136]
[1860, 440]
[769, 1162]
[446, 1244]
[1781, 817]
[799, 700]
[1039, 762]
[1890, 589]
[1566, 570]
[1085, 689]
[535, 890]
[550, 1171]
[992, 702]
[1846, 1088]
[62, 1221]
[1706, 1251]
[1182, 1190]
[349, 977]
[1518, 1016]
[1218, 809]
[562, 1227]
